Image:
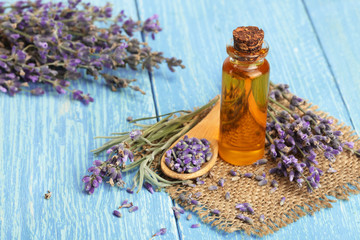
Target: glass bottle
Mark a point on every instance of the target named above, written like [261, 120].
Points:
[245, 87]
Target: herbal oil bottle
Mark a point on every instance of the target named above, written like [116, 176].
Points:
[245, 87]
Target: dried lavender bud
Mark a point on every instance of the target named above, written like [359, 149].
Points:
[262, 182]
[135, 134]
[212, 188]
[272, 190]
[178, 209]
[129, 118]
[244, 218]
[227, 196]
[241, 207]
[194, 202]
[124, 202]
[260, 162]
[221, 182]
[117, 213]
[240, 216]
[189, 217]
[197, 225]
[133, 209]
[274, 183]
[282, 201]
[129, 191]
[248, 175]
[250, 209]
[215, 212]
[127, 205]
[200, 182]
[177, 215]
[162, 231]
[149, 187]
[262, 218]
[233, 173]
[331, 169]
[45, 42]
[198, 194]
[248, 220]
[259, 177]
[189, 152]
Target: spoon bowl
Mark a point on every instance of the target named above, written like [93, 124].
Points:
[207, 128]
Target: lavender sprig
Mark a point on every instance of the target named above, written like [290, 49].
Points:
[123, 150]
[44, 44]
[294, 139]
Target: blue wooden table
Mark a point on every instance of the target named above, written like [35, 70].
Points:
[45, 141]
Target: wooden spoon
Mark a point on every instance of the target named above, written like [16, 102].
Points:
[207, 128]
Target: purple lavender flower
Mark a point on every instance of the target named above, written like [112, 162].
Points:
[133, 209]
[262, 218]
[198, 194]
[135, 134]
[233, 173]
[2, 89]
[129, 191]
[117, 213]
[162, 231]
[149, 187]
[248, 175]
[197, 225]
[240, 216]
[215, 212]
[60, 90]
[178, 209]
[262, 182]
[194, 202]
[248, 220]
[349, 145]
[200, 182]
[124, 202]
[212, 188]
[227, 196]
[282, 201]
[221, 182]
[188, 155]
[260, 162]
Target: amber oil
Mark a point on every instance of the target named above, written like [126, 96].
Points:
[245, 86]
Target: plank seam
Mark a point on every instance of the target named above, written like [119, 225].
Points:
[156, 108]
[149, 73]
[327, 62]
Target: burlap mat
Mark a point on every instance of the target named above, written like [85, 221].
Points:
[298, 201]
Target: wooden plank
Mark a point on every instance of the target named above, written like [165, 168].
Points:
[338, 31]
[45, 144]
[197, 32]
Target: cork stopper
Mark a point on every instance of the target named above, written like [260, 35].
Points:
[248, 39]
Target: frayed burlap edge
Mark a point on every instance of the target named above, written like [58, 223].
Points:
[299, 202]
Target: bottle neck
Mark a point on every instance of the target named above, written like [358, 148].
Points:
[246, 59]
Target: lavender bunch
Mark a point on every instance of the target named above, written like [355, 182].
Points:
[296, 140]
[111, 168]
[45, 45]
[138, 149]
